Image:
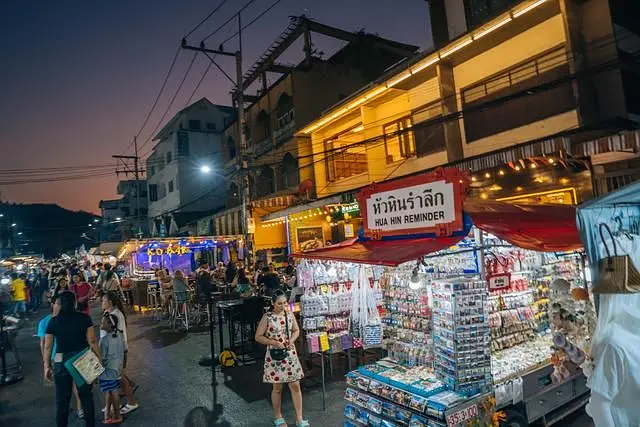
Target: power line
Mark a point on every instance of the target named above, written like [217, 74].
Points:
[57, 179]
[225, 23]
[206, 71]
[206, 18]
[253, 21]
[175, 95]
[157, 98]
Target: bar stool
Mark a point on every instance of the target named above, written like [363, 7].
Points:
[153, 300]
[180, 310]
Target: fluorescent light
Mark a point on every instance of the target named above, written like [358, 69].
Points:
[421, 66]
[358, 129]
[495, 26]
[528, 8]
[456, 48]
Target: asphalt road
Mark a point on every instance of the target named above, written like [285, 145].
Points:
[174, 389]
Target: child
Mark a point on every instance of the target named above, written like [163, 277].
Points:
[112, 349]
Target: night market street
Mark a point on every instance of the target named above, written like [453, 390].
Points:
[174, 389]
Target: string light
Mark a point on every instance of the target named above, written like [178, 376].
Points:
[487, 175]
[473, 178]
[533, 166]
[501, 172]
[552, 160]
[484, 196]
[517, 168]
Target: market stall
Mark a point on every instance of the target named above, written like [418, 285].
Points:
[463, 313]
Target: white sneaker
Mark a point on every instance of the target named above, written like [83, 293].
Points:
[128, 408]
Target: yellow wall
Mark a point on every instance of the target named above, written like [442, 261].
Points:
[517, 49]
[396, 103]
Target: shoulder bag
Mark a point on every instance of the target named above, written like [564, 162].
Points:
[281, 353]
[617, 273]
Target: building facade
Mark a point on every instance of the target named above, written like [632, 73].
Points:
[184, 168]
[536, 101]
[279, 161]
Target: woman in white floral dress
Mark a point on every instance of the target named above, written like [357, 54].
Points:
[273, 332]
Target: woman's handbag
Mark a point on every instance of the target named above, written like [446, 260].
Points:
[84, 367]
[617, 273]
[281, 353]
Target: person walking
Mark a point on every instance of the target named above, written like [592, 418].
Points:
[73, 332]
[278, 330]
[19, 294]
[83, 292]
[108, 280]
[112, 348]
[112, 304]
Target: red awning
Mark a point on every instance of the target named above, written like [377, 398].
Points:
[544, 228]
[381, 252]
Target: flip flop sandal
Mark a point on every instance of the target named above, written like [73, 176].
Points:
[279, 422]
[303, 423]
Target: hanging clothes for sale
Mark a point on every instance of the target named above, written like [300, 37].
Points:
[226, 256]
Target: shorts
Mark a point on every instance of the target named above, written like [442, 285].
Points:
[109, 385]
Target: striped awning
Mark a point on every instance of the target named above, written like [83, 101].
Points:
[228, 222]
[625, 141]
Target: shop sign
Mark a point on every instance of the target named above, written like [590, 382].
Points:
[169, 250]
[348, 231]
[422, 204]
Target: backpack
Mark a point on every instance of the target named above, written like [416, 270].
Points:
[228, 359]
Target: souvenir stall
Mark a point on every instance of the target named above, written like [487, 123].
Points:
[468, 316]
[610, 229]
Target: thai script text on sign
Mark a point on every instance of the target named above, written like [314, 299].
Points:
[415, 207]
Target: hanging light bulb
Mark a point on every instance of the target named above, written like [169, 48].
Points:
[501, 172]
[487, 175]
[473, 178]
[517, 168]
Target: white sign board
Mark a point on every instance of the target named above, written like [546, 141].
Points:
[419, 206]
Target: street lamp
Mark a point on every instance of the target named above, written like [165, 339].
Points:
[1, 215]
[205, 169]
[95, 221]
[19, 233]
[14, 224]
[118, 219]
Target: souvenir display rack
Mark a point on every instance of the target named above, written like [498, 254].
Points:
[389, 394]
[461, 335]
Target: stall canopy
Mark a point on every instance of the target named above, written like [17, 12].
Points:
[544, 228]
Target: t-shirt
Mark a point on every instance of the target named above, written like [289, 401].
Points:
[204, 282]
[82, 290]
[42, 331]
[70, 331]
[18, 287]
[269, 281]
[122, 325]
[112, 349]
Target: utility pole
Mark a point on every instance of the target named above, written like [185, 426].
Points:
[136, 172]
[238, 97]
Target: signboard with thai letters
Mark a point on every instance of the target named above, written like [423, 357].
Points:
[423, 204]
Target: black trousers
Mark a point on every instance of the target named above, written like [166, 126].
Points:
[64, 389]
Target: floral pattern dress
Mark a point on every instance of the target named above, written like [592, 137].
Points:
[281, 371]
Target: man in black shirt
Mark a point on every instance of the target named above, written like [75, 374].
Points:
[269, 281]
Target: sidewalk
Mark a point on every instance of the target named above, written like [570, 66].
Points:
[174, 389]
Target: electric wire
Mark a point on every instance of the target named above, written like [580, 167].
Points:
[253, 21]
[173, 98]
[206, 18]
[231, 18]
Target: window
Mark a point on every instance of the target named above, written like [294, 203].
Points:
[399, 141]
[171, 186]
[162, 191]
[152, 171]
[211, 126]
[153, 192]
[265, 181]
[194, 124]
[183, 144]
[344, 159]
[169, 157]
[262, 125]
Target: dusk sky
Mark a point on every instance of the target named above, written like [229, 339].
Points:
[77, 78]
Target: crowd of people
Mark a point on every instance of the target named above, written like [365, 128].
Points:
[231, 279]
[69, 330]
